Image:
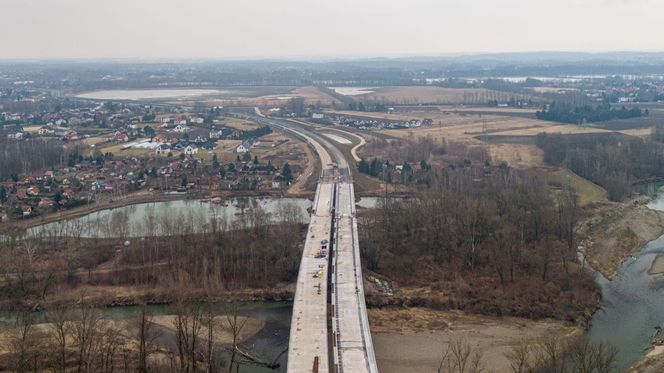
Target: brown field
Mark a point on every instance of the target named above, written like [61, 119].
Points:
[517, 155]
[429, 95]
[566, 129]
[239, 124]
[461, 127]
[415, 340]
[506, 110]
[638, 132]
[311, 96]
[552, 89]
[95, 140]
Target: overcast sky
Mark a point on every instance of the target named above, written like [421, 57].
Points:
[322, 28]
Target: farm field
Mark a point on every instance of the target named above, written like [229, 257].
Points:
[311, 96]
[411, 95]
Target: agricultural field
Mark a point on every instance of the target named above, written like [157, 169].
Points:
[310, 95]
[430, 95]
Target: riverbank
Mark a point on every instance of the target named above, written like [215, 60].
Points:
[614, 232]
[127, 296]
[415, 339]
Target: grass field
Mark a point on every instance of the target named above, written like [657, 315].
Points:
[239, 124]
[587, 191]
[311, 96]
[428, 95]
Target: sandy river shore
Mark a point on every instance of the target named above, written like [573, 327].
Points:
[414, 340]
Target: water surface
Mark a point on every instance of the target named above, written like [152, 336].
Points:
[632, 303]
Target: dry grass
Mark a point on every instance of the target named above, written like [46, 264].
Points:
[239, 124]
[311, 96]
[517, 155]
[424, 95]
[414, 340]
[587, 191]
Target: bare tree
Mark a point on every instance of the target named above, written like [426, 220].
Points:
[22, 343]
[85, 331]
[460, 357]
[235, 324]
[59, 319]
[147, 334]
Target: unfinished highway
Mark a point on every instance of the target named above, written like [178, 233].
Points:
[329, 327]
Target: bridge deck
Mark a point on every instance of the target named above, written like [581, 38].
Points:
[354, 348]
[308, 334]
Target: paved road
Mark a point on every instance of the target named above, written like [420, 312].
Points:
[329, 334]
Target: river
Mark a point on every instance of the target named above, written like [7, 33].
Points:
[632, 303]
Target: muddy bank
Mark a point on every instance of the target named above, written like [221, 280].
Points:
[614, 232]
[125, 296]
[657, 266]
[414, 339]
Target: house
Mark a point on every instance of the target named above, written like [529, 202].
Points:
[163, 149]
[27, 210]
[71, 136]
[242, 148]
[45, 131]
[317, 116]
[33, 191]
[46, 202]
[180, 128]
[276, 182]
[190, 150]
[121, 137]
[15, 136]
[49, 174]
[216, 134]
[200, 139]
[197, 120]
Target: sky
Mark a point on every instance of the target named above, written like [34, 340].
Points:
[238, 29]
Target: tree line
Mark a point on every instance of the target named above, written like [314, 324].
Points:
[26, 156]
[565, 113]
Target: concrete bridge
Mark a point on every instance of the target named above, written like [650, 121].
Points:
[329, 328]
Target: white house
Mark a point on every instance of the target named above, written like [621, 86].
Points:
[163, 149]
[216, 134]
[190, 150]
[317, 116]
[180, 128]
[242, 148]
[197, 120]
[16, 136]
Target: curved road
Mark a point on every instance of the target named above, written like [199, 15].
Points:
[329, 327]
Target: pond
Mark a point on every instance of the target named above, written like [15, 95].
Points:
[633, 303]
[147, 94]
[175, 217]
